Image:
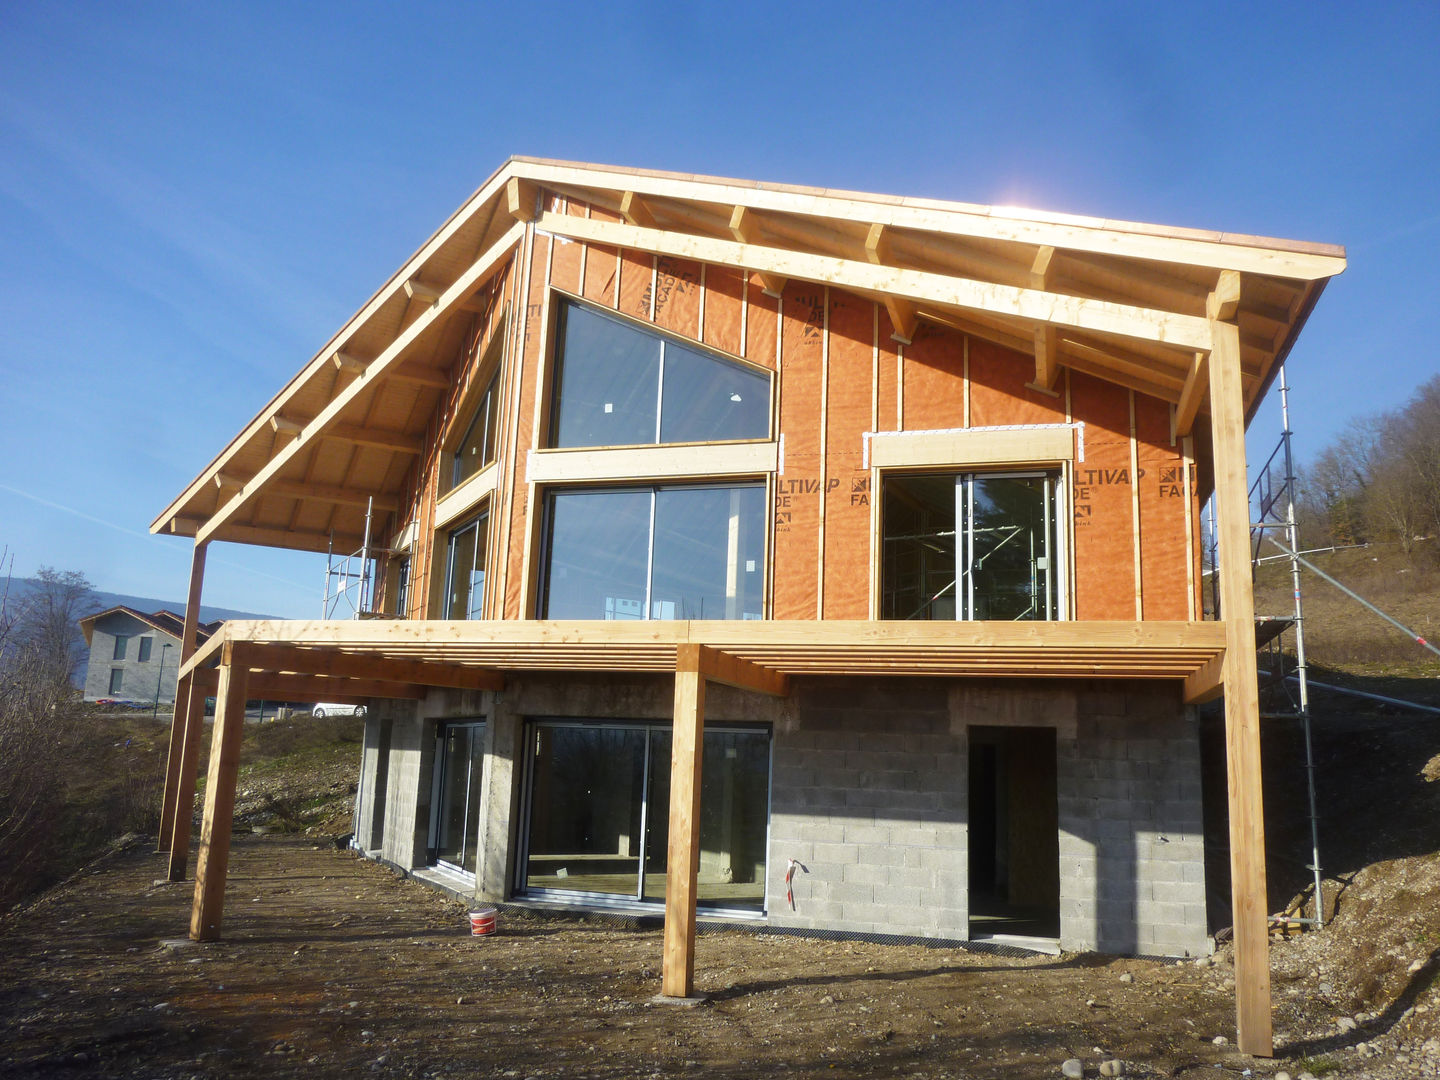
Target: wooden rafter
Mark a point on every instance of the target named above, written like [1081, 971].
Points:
[634, 210]
[745, 231]
[1068, 311]
[1306, 262]
[902, 312]
[328, 493]
[394, 353]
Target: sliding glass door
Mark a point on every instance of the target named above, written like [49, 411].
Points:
[598, 813]
[455, 817]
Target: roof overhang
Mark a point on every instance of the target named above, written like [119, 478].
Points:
[1125, 302]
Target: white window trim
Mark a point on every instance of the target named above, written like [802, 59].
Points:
[460, 500]
[688, 461]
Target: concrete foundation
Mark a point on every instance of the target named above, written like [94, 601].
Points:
[870, 795]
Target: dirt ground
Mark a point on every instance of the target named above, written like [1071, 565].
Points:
[335, 967]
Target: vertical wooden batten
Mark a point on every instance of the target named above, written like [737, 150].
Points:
[181, 712]
[212, 862]
[1242, 705]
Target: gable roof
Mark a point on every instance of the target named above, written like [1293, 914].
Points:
[1126, 302]
[167, 622]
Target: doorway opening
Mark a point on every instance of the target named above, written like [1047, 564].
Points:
[1014, 826]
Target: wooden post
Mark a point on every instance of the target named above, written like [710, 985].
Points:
[683, 858]
[180, 714]
[213, 859]
[1242, 703]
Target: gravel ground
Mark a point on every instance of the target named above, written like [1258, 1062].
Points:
[334, 967]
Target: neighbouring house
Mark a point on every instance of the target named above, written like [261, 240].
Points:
[803, 559]
[134, 656]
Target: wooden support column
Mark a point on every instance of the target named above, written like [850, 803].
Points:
[180, 714]
[213, 860]
[683, 859]
[1242, 702]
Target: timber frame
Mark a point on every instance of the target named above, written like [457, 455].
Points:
[1197, 321]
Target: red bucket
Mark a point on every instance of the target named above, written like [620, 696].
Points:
[482, 921]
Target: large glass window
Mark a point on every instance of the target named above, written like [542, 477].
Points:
[618, 384]
[145, 646]
[465, 570]
[476, 448]
[972, 546]
[598, 813]
[455, 819]
[658, 552]
[120, 642]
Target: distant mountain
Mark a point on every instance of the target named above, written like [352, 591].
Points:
[148, 604]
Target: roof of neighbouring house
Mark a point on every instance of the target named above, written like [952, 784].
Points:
[167, 622]
[1126, 302]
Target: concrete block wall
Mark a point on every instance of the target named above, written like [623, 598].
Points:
[1132, 859]
[140, 679]
[868, 793]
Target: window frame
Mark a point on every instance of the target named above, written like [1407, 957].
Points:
[544, 506]
[558, 300]
[518, 885]
[1059, 505]
[122, 642]
[487, 385]
[117, 681]
[479, 729]
[480, 521]
[147, 643]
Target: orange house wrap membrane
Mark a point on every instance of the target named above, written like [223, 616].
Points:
[840, 375]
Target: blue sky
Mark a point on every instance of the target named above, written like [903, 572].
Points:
[193, 197]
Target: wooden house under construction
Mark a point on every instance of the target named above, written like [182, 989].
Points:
[807, 559]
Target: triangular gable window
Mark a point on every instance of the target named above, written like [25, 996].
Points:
[620, 384]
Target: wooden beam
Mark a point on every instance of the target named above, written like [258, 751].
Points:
[1120, 239]
[323, 661]
[1099, 316]
[180, 714]
[521, 199]
[902, 312]
[1192, 396]
[416, 289]
[683, 856]
[339, 404]
[1242, 698]
[340, 496]
[273, 687]
[420, 374]
[226, 482]
[745, 230]
[212, 862]
[1040, 268]
[1224, 299]
[729, 670]
[283, 425]
[349, 362]
[396, 441]
[1047, 361]
[1206, 683]
[291, 539]
[634, 210]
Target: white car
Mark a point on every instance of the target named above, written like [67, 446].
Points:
[330, 708]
